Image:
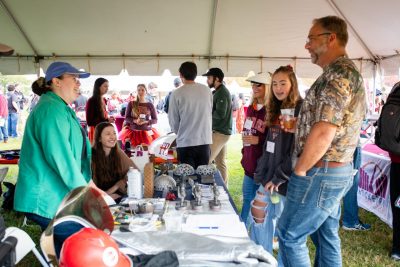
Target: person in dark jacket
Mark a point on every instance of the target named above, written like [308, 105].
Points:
[221, 120]
[96, 110]
[275, 165]
[253, 139]
[394, 195]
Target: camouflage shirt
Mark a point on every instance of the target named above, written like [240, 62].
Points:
[337, 97]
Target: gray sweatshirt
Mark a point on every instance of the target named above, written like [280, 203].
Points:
[190, 115]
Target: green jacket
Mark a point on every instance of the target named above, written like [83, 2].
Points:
[222, 111]
[51, 162]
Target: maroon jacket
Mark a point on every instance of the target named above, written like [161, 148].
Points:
[93, 116]
[250, 154]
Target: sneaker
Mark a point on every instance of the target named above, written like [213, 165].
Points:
[395, 256]
[358, 227]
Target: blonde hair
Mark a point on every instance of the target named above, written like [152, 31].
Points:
[135, 104]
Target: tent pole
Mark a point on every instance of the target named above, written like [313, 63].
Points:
[339, 12]
[212, 28]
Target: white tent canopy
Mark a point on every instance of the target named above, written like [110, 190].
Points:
[145, 37]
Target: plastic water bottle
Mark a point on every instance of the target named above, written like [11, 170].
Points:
[135, 184]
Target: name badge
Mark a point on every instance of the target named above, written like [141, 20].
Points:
[270, 147]
[248, 123]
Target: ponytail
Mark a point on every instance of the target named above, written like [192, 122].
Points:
[40, 86]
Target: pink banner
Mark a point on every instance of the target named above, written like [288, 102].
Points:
[373, 188]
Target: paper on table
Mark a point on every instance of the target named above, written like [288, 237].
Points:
[215, 224]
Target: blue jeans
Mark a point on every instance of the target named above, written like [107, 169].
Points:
[12, 124]
[4, 131]
[249, 189]
[263, 233]
[350, 204]
[61, 231]
[313, 208]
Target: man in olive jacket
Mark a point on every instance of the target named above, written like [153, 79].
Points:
[221, 120]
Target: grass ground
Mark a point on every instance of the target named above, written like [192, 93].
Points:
[359, 249]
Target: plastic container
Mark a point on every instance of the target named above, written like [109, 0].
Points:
[275, 198]
[135, 184]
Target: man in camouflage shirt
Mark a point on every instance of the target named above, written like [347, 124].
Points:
[326, 137]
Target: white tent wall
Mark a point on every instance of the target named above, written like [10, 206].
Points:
[148, 36]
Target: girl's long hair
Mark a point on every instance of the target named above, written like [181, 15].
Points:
[105, 169]
[99, 106]
[274, 105]
[135, 106]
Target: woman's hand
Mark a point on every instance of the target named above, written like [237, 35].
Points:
[271, 187]
[111, 119]
[122, 185]
[115, 196]
[140, 122]
[250, 139]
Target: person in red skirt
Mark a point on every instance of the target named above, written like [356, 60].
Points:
[139, 117]
[96, 111]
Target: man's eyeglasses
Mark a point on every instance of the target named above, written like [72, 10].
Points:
[314, 36]
[256, 84]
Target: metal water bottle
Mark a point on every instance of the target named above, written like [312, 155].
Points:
[135, 184]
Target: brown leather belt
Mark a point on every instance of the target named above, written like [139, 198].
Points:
[330, 164]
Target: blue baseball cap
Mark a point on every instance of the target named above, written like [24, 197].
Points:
[56, 69]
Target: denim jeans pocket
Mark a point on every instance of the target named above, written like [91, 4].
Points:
[298, 188]
[331, 192]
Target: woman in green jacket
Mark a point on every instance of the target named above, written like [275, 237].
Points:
[55, 152]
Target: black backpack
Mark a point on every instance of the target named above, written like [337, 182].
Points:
[387, 133]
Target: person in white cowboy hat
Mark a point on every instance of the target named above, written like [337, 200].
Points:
[253, 138]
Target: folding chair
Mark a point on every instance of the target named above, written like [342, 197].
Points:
[24, 245]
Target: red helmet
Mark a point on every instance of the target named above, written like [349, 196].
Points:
[92, 247]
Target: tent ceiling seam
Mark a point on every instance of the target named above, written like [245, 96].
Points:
[358, 37]
[12, 17]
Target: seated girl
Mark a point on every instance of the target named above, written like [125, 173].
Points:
[109, 163]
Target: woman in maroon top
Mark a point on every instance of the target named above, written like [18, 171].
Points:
[96, 107]
[253, 138]
[139, 117]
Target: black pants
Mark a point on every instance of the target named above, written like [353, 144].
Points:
[194, 155]
[394, 194]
